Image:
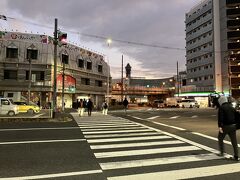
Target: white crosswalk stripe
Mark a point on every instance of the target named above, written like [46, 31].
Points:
[129, 150]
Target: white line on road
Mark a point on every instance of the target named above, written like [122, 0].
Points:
[38, 115]
[154, 117]
[178, 128]
[112, 128]
[55, 175]
[100, 126]
[194, 116]
[31, 129]
[128, 139]
[45, 141]
[124, 131]
[183, 173]
[174, 117]
[158, 161]
[155, 143]
[145, 151]
[120, 135]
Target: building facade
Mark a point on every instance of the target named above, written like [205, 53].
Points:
[212, 47]
[25, 57]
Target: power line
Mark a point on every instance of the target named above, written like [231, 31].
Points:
[116, 40]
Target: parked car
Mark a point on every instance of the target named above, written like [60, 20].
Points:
[7, 107]
[189, 103]
[29, 108]
[158, 103]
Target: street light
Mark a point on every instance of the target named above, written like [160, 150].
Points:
[109, 41]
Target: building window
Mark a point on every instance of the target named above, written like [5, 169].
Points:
[81, 63]
[10, 74]
[89, 65]
[12, 53]
[32, 54]
[98, 83]
[64, 58]
[36, 75]
[100, 69]
[85, 81]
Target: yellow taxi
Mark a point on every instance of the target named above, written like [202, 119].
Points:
[29, 108]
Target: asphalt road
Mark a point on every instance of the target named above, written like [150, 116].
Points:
[145, 144]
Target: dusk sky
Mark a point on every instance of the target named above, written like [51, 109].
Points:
[158, 23]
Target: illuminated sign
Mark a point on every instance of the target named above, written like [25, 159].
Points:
[69, 84]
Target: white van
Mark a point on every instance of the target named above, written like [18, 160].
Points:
[189, 103]
[173, 102]
[7, 107]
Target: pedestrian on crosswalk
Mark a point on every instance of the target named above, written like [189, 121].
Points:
[125, 105]
[227, 125]
[89, 107]
[80, 107]
[105, 108]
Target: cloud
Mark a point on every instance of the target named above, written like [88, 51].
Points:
[154, 22]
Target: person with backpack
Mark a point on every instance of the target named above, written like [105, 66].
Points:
[104, 108]
[227, 126]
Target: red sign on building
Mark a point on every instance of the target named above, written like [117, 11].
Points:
[69, 83]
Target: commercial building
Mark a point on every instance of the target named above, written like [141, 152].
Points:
[213, 47]
[30, 56]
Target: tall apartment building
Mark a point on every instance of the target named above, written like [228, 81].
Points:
[85, 72]
[213, 47]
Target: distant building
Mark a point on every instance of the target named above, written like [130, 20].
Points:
[85, 71]
[213, 47]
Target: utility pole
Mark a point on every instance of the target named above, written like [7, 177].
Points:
[29, 75]
[122, 82]
[177, 80]
[63, 85]
[55, 42]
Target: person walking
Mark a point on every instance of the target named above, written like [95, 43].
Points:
[89, 107]
[125, 104]
[80, 107]
[104, 108]
[227, 125]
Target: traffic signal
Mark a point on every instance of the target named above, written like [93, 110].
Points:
[62, 37]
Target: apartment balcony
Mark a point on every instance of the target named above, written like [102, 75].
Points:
[233, 34]
[234, 23]
[231, 3]
[234, 46]
[233, 12]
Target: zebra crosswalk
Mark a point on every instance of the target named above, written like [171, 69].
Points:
[129, 150]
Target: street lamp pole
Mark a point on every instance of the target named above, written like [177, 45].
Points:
[55, 42]
[29, 75]
[109, 41]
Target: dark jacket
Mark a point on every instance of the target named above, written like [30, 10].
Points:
[226, 115]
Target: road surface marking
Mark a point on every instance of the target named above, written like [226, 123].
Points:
[174, 117]
[124, 131]
[113, 128]
[194, 116]
[158, 161]
[154, 117]
[45, 141]
[143, 144]
[55, 175]
[128, 139]
[184, 173]
[145, 151]
[31, 129]
[178, 128]
[212, 138]
[120, 135]
[92, 127]
[136, 117]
